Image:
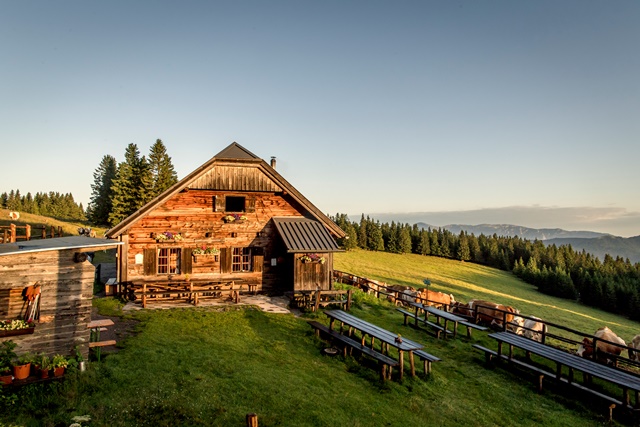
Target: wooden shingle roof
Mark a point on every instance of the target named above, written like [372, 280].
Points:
[304, 235]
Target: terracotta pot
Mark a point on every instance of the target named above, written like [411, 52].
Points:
[21, 372]
[58, 372]
[43, 373]
[6, 379]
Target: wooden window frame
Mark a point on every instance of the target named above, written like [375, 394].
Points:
[169, 263]
[241, 260]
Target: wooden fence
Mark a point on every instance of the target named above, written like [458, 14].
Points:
[12, 233]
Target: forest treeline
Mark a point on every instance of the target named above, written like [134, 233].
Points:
[612, 284]
[52, 204]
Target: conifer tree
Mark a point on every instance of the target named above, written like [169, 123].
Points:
[404, 239]
[463, 253]
[100, 204]
[162, 171]
[131, 186]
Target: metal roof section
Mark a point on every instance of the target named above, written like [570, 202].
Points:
[304, 235]
[235, 151]
[56, 244]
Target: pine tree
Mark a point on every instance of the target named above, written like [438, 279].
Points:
[162, 171]
[463, 254]
[404, 241]
[131, 186]
[102, 192]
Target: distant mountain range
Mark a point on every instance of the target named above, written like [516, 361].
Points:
[598, 244]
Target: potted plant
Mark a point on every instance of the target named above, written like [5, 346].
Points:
[22, 366]
[42, 364]
[58, 363]
[6, 357]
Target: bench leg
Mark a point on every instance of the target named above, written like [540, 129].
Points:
[540, 378]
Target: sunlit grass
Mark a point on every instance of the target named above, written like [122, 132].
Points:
[208, 367]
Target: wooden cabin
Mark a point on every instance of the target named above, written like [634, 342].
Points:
[61, 271]
[233, 219]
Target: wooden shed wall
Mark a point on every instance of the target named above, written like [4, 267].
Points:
[65, 308]
[193, 213]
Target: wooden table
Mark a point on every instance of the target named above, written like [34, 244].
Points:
[94, 338]
[588, 367]
[386, 337]
[440, 314]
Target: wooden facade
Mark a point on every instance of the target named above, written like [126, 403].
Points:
[249, 249]
[66, 282]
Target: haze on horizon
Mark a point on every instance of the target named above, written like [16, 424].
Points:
[475, 112]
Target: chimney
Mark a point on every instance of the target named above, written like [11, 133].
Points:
[273, 162]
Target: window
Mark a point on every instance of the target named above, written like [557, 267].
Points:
[241, 259]
[234, 204]
[169, 260]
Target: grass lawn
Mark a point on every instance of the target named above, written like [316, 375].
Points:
[206, 367]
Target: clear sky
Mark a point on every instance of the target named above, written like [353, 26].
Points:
[529, 110]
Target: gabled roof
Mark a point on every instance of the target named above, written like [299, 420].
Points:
[304, 235]
[233, 153]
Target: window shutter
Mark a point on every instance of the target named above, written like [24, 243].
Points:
[218, 203]
[150, 262]
[225, 260]
[250, 204]
[186, 261]
[258, 261]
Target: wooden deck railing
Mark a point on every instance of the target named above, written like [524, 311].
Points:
[12, 233]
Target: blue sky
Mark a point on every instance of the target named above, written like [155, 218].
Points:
[528, 112]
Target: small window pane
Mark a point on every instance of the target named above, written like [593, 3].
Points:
[169, 260]
[234, 204]
[241, 259]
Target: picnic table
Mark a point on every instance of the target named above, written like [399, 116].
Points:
[386, 338]
[589, 368]
[448, 317]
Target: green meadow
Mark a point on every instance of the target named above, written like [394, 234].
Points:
[212, 367]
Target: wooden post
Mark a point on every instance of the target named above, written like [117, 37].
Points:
[252, 420]
[144, 295]
[13, 233]
[317, 302]
[349, 292]
[27, 231]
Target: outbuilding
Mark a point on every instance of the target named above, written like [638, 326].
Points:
[51, 282]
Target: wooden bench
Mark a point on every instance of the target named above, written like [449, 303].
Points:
[427, 359]
[471, 325]
[439, 329]
[348, 342]
[540, 373]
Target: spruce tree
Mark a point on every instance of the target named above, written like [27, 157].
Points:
[162, 171]
[131, 186]
[102, 192]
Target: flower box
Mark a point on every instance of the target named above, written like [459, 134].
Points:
[11, 328]
[234, 218]
[15, 332]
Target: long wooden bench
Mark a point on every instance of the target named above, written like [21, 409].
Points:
[348, 342]
[438, 329]
[471, 325]
[541, 373]
[427, 359]
[588, 367]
